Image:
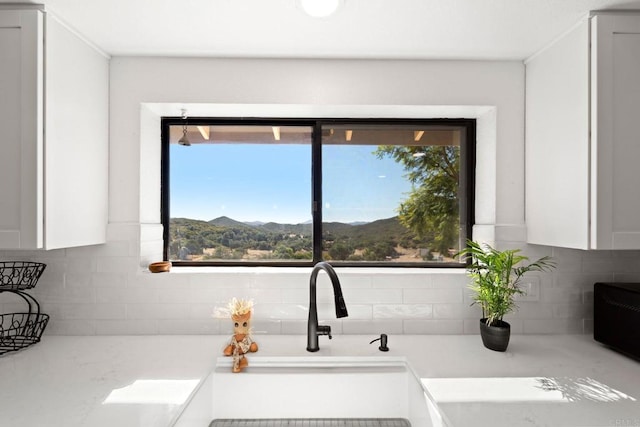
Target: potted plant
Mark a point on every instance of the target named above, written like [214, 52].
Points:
[496, 278]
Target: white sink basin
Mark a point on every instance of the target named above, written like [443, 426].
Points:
[313, 387]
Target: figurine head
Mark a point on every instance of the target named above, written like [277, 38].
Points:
[241, 323]
[241, 315]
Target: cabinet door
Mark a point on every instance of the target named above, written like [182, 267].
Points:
[21, 131]
[615, 132]
[77, 145]
[557, 142]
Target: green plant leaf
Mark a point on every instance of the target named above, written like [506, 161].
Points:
[496, 277]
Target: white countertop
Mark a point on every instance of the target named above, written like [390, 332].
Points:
[540, 380]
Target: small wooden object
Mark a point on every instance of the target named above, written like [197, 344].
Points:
[160, 267]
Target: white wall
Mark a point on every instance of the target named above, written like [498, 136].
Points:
[106, 290]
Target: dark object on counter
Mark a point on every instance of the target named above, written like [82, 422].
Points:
[19, 275]
[616, 316]
[20, 330]
[313, 329]
[496, 336]
[383, 342]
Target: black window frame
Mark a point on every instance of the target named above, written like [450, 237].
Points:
[468, 157]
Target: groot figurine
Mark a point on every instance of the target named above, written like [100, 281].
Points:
[241, 342]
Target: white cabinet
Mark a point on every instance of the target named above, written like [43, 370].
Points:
[583, 136]
[53, 134]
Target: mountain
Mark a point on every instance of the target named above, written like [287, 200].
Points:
[226, 238]
[225, 221]
[288, 228]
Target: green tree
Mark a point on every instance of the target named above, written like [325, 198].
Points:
[340, 251]
[431, 209]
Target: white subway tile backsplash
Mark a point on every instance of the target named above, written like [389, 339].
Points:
[350, 281]
[16, 307]
[261, 327]
[356, 311]
[175, 296]
[372, 296]
[432, 296]
[570, 311]
[402, 311]
[372, 327]
[293, 327]
[471, 326]
[407, 280]
[81, 266]
[117, 264]
[128, 232]
[624, 277]
[301, 296]
[159, 281]
[150, 231]
[284, 311]
[264, 296]
[587, 298]
[126, 295]
[219, 280]
[205, 312]
[128, 327]
[61, 295]
[187, 327]
[116, 280]
[105, 289]
[587, 325]
[532, 310]
[109, 249]
[564, 294]
[158, 311]
[448, 281]
[221, 297]
[78, 279]
[568, 280]
[72, 327]
[455, 311]
[87, 311]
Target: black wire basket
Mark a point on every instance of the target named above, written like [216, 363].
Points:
[20, 330]
[19, 275]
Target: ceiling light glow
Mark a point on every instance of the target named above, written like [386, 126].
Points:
[348, 134]
[204, 131]
[319, 8]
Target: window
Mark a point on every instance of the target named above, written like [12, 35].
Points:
[294, 192]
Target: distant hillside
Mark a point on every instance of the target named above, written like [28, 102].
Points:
[226, 238]
[225, 221]
[288, 228]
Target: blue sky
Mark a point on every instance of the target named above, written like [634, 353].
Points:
[255, 182]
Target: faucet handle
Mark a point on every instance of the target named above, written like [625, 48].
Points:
[324, 330]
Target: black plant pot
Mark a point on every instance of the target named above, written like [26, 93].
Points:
[495, 337]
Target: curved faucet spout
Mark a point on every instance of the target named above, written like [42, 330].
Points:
[313, 329]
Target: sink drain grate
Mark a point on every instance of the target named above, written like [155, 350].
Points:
[312, 422]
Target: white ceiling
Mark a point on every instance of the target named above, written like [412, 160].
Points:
[405, 29]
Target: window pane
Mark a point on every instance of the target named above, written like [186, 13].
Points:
[391, 193]
[240, 193]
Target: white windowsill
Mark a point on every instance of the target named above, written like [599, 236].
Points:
[297, 270]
